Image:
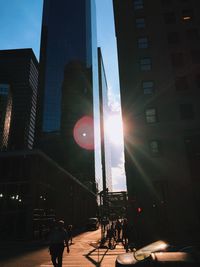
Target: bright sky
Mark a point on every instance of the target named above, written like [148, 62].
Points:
[20, 27]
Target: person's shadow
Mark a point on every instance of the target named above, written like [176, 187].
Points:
[100, 256]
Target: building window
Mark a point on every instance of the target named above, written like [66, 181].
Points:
[140, 23]
[143, 42]
[4, 89]
[145, 63]
[155, 147]
[173, 38]
[192, 34]
[169, 18]
[195, 55]
[151, 115]
[187, 15]
[186, 112]
[148, 87]
[177, 60]
[138, 4]
[181, 83]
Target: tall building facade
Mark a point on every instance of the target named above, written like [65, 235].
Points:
[18, 94]
[159, 59]
[68, 85]
[104, 111]
[5, 111]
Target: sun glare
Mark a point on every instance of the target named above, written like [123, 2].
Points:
[113, 129]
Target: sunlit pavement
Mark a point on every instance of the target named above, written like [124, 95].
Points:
[84, 252]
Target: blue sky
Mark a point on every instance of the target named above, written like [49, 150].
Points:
[20, 27]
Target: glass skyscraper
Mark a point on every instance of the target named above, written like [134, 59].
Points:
[69, 47]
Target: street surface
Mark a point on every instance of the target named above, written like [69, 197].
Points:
[84, 252]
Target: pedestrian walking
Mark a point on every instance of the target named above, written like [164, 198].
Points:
[118, 228]
[58, 239]
[104, 223]
[111, 236]
[125, 234]
[132, 239]
[69, 232]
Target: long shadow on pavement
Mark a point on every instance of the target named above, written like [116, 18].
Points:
[99, 261]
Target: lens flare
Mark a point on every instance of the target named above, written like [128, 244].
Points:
[84, 133]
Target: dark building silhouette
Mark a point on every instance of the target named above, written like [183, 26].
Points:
[34, 191]
[18, 93]
[159, 60]
[68, 84]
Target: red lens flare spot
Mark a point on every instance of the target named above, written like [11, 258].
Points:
[84, 133]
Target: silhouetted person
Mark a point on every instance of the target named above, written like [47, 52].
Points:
[104, 223]
[69, 232]
[118, 228]
[111, 236]
[132, 238]
[58, 239]
[125, 234]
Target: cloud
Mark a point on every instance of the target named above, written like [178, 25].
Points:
[117, 153]
[118, 178]
[114, 101]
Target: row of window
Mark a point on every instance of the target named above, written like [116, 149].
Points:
[169, 18]
[181, 84]
[169, 2]
[139, 4]
[172, 37]
[186, 16]
[186, 113]
[192, 147]
[191, 34]
[177, 60]
[155, 147]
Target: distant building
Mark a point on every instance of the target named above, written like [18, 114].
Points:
[69, 47]
[104, 111]
[18, 94]
[159, 62]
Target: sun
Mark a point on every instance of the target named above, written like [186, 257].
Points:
[113, 129]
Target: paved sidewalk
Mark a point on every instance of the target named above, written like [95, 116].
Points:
[87, 253]
[84, 252]
[94, 257]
